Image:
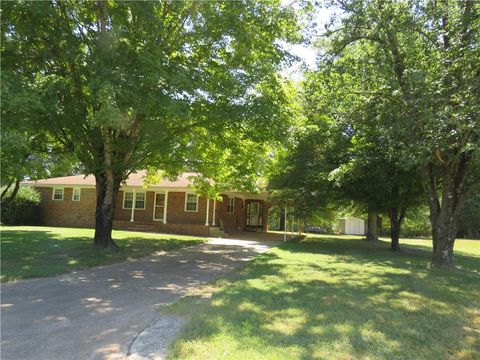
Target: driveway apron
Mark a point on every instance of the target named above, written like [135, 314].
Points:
[95, 314]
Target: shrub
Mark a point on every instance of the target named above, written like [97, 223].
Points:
[24, 209]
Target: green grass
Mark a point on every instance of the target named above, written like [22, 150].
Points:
[29, 251]
[332, 297]
[462, 246]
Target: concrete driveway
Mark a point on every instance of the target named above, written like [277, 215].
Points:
[95, 314]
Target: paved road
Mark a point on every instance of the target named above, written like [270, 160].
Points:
[95, 314]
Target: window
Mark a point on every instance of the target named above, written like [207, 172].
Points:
[127, 199]
[231, 205]
[57, 194]
[139, 200]
[191, 202]
[76, 194]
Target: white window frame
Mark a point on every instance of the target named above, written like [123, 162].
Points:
[123, 200]
[79, 194]
[186, 199]
[53, 193]
[134, 197]
[232, 201]
[144, 200]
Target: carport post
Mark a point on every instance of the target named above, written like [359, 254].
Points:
[285, 227]
[293, 220]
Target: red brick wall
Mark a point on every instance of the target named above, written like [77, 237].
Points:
[139, 215]
[176, 213]
[67, 212]
[82, 213]
[231, 222]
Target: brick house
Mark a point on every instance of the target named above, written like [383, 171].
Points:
[169, 206]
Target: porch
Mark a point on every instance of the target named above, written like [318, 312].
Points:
[184, 212]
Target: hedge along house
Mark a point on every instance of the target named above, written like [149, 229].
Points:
[169, 206]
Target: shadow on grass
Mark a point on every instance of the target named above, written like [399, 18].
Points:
[335, 298]
[37, 253]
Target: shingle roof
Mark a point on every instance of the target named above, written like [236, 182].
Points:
[135, 179]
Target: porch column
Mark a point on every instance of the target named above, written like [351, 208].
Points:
[285, 227]
[208, 210]
[132, 215]
[214, 208]
[165, 208]
[293, 220]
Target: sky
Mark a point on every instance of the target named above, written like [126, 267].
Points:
[306, 52]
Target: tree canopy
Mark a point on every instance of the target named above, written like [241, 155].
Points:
[396, 83]
[161, 85]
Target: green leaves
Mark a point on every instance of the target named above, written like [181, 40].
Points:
[153, 84]
[109, 115]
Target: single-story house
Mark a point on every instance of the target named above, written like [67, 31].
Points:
[169, 206]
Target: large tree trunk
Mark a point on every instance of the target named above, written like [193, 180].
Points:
[372, 226]
[443, 241]
[396, 220]
[107, 186]
[444, 215]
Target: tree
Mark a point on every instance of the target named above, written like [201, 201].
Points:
[351, 115]
[430, 62]
[27, 151]
[135, 85]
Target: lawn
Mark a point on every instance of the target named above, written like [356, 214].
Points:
[28, 251]
[462, 246]
[330, 297]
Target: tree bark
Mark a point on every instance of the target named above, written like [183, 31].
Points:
[444, 214]
[372, 226]
[396, 220]
[7, 187]
[107, 187]
[7, 200]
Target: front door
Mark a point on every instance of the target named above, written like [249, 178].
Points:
[254, 214]
[159, 206]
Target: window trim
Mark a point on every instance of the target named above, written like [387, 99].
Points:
[53, 193]
[186, 199]
[134, 205]
[144, 200]
[231, 199]
[79, 193]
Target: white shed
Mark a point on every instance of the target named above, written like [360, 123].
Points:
[351, 226]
